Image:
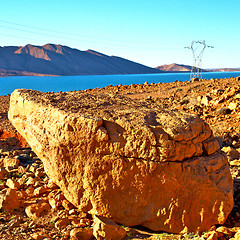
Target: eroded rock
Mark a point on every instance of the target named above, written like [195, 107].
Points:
[128, 160]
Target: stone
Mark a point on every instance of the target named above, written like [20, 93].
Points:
[213, 236]
[13, 184]
[99, 148]
[81, 234]
[104, 228]
[3, 173]
[232, 106]
[223, 111]
[38, 236]
[14, 223]
[10, 162]
[67, 205]
[195, 79]
[54, 203]
[231, 152]
[9, 200]
[35, 210]
[205, 100]
[30, 181]
[237, 235]
[62, 223]
[52, 185]
[40, 190]
[224, 230]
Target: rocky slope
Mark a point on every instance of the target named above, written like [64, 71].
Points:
[51, 59]
[175, 68]
[216, 101]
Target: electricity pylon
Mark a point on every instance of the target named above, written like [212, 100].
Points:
[197, 48]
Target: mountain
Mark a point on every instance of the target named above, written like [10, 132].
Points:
[51, 59]
[224, 70]
[186, 68]
[175, 68]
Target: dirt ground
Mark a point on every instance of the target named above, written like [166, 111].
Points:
[217, 101]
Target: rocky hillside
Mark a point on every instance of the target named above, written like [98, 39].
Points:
[52, 59]
[175, 68]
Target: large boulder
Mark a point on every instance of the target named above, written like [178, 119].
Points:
[132, 161]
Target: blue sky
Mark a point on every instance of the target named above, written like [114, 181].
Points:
[151, 32]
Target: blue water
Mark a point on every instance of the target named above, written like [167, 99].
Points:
[70, 83]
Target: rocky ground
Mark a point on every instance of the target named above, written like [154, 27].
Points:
[42, 212]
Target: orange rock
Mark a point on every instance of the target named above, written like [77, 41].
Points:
[213, 236]
[11, 162]
[35, 210]
[9, 200]
[224, 230]
[67, 205]
[104, 228]
[62, 223]
[3, 173]
[55, 204]
[98, 148]
[13, 184]
[40, 190]
[81, 234]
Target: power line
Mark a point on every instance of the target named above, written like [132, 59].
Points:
[77, 39]
[73, 34]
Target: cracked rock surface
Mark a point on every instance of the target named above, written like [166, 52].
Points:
[129, 160]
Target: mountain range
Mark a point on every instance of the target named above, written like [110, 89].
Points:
[52, 59]
[58, 60]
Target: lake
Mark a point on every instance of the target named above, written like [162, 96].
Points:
[70, 83]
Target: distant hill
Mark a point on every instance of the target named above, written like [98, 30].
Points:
[224, 70]
[186, 68]
[175, 68]
[59, 60]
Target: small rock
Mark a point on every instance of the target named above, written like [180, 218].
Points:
[231, 152]
[81, 233]
[232, 106]
[38, 236]
[67, 205]
[55, 204]
[14, 223]
[195, 79]
[13, 184]
[213, 236]
[62, 223]
[21, 170]
[9, 200]
[30, 191]
[224, 230]
[52, 185]
[3, 173]
[30, 181]
[34, 211]
[40, 190]
[104, 228]
[223, 111]
[39, 173]
[11, 162]
[205, 100]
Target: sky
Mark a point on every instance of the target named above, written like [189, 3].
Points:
[150, 32]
